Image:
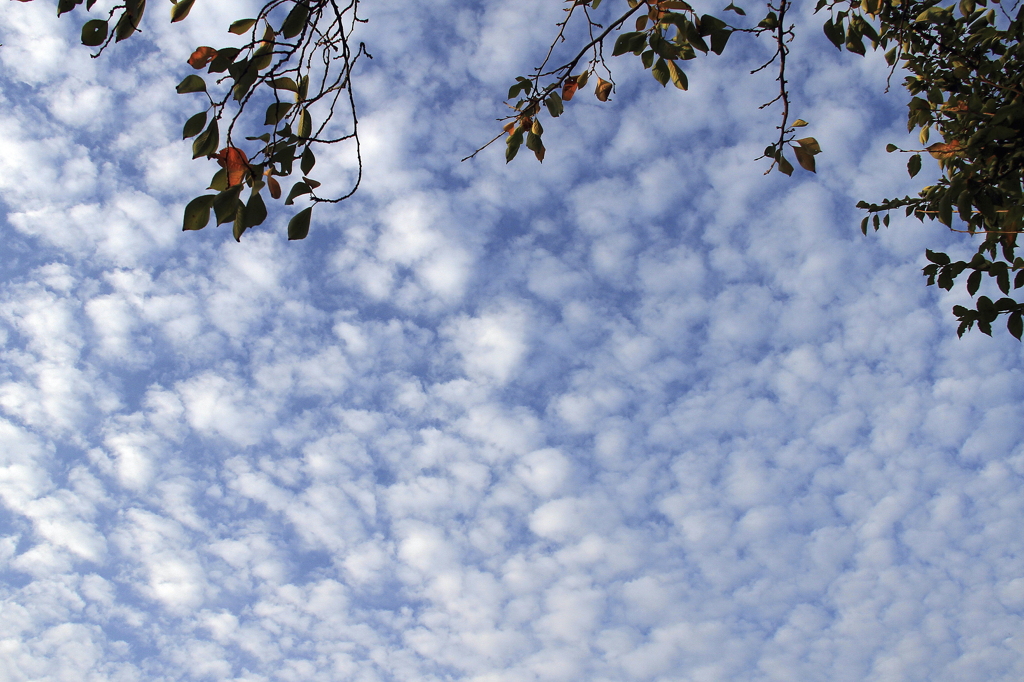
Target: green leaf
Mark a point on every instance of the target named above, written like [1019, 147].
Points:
[784, 165]
[834, 32]
[914, 165]
[226, 204]
[298, 189]
[660, 72]
[890, 148]
[66, 6]
[194, 125]
[733, 8]
[241, 26]
[677, 76]
[295, 20]
[192, 83]
[180, 9]
[275, 112]
[305, 124]
[308, 161]
[554, 105]
[219, 181]
[298, 226]
[208, 142]
[936, 257]
[806, 160]
[1015, 324]
[284, 83]
[255, 210]
[94, 32]
[624, 41]
[974, 282]
[512, 145]
[129, 22]
[197, 212]
[719, 40]
[225, 57]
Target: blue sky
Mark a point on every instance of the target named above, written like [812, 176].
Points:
[638, 413]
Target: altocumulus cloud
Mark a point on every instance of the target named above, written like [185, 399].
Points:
[639, 413]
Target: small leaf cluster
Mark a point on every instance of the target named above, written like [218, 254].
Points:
[290, 44]
[966, 78]
[665, 32]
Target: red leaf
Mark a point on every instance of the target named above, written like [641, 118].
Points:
[200, 58]
[274, 186]
[569, 88]
[235, 162]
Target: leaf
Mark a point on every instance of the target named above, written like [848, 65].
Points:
[197, 213]
[718, 40]
[298, 226]
[936, 257]
[677, 75]
[784, 165]
[660, 72]
[64, 5]
[1015, 324]
[805, 159]
[305, 124]
[810, 145]
[129, 22]
[241, 26]
[944, 150]
[581, 80]
[295, 21]
[603, 89]
[914, 165]
[890, 148]
[512, 145]
[94, 32]
[554, 105]
[202, 56]
[191, 83]
[308, 161]
[180, 9]
[219, 181]
[298, 189]
[733, 8]
[274, 186]
[569, 87]
[235, 162]
[799, 123]
[207, 142]
[974, 282]
[284, 83]
[623, 43]
[275, 112]
[194, 125]
[226, 204]
[255, 211]
[225, 58]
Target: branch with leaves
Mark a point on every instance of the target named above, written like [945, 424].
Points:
[294, 71]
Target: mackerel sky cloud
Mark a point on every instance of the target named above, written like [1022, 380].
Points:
[640, 413]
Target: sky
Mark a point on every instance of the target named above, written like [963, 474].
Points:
[638, 413]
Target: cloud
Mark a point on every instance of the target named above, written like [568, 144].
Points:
[637, 413]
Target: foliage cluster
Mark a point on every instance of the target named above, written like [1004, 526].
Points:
[963, 66]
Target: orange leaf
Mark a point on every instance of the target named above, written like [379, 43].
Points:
[235, 162]
[201, 57]
[274, 186]
[509, 127]
[603, 89]
[569, 88]
[944, 150]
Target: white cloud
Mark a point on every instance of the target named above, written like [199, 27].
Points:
[636, 413]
